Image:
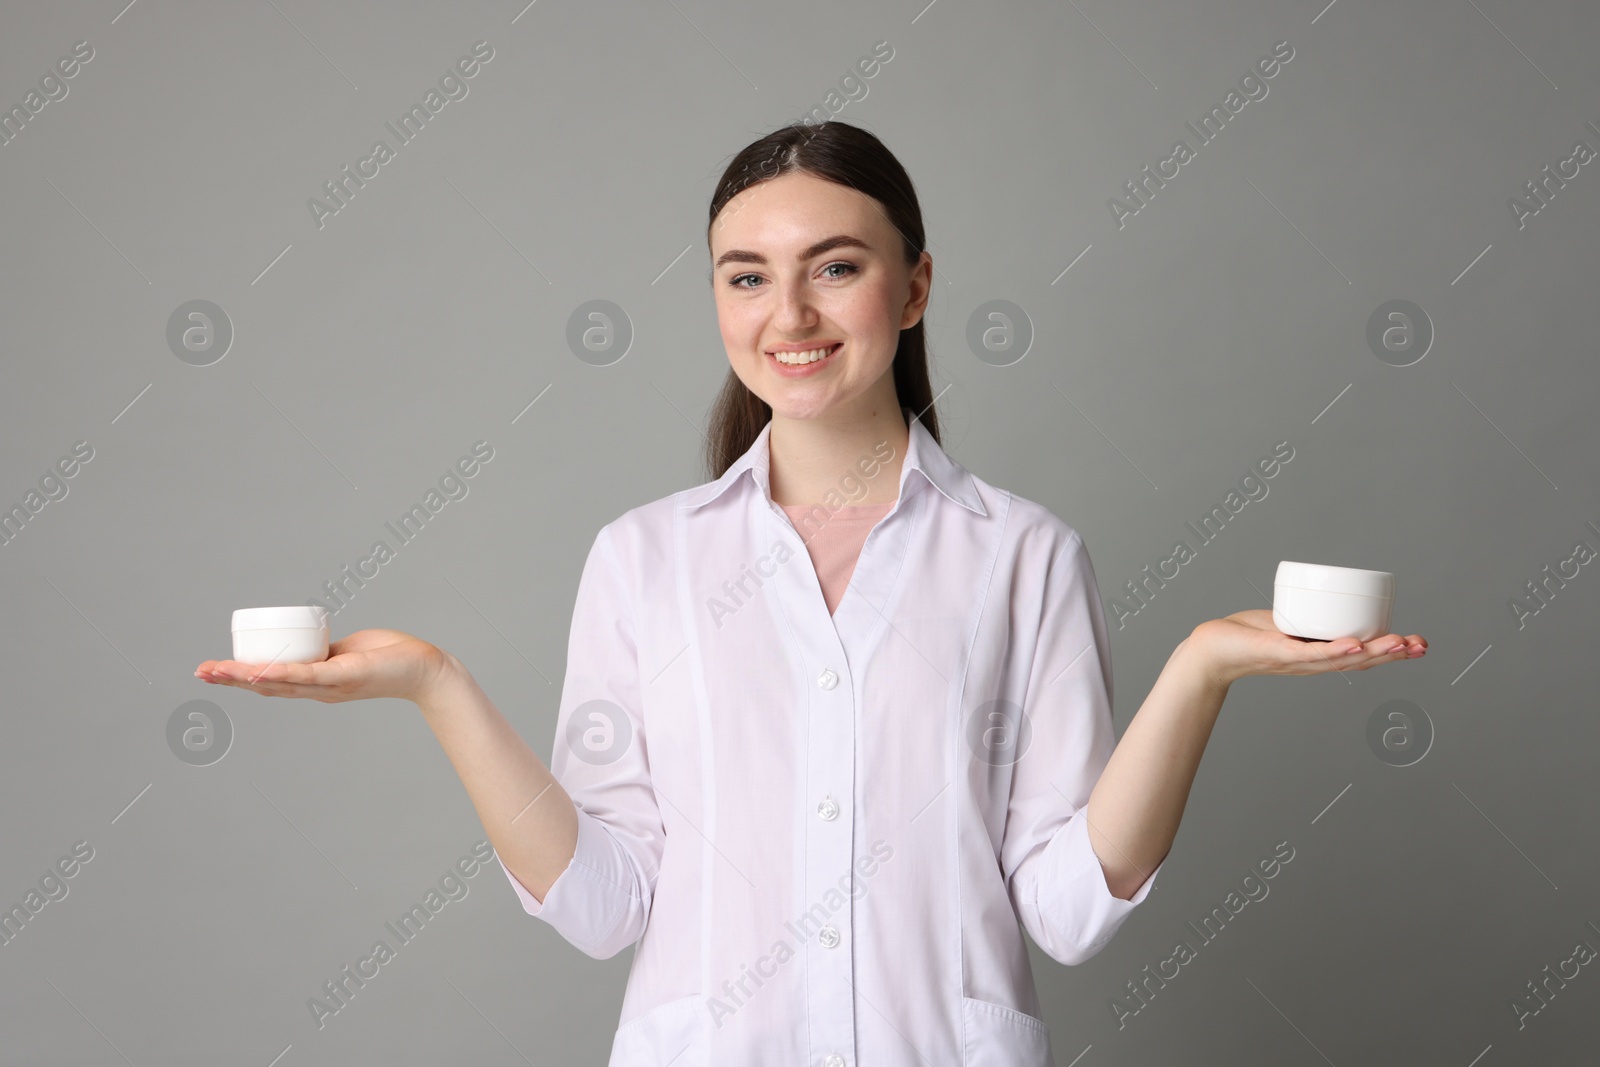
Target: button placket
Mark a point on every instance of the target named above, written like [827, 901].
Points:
[832, 756]
[827, 738]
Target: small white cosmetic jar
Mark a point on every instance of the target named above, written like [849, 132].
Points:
[280, 635]
[1324, 603]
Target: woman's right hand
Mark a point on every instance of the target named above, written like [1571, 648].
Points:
[366, 664]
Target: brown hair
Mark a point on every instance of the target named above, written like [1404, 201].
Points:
[852, 157]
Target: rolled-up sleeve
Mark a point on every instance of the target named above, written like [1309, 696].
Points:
[601, 900]
[1053, 875]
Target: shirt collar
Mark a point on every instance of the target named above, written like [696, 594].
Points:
[923, 454]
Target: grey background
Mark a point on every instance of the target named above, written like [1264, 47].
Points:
[1228, 315]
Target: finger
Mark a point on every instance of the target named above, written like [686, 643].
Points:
[1385, 649]
[279, 689]
[321, 674]
[1346, 654]
[1384, 645]
[261, 677]
[1319, 650]
[1320, 655]
[228, 670]
[240, 683]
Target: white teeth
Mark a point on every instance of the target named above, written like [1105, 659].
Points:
[802, 357]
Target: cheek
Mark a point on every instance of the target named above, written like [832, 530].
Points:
[866, 314]
[734, 324]
[867, 308]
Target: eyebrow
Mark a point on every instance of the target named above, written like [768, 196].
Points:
[840, 240]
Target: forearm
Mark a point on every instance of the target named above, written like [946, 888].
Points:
[1136, 806]
[530, 819]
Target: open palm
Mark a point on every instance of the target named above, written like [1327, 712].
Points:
[364, 665]
[1247, 642]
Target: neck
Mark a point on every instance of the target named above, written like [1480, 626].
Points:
[811, 458]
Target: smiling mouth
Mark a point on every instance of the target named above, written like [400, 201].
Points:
[801, 359]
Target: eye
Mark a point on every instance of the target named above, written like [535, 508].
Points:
[848, 269]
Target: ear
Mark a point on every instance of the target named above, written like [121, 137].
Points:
[921, 290]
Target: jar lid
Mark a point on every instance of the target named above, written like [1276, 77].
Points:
[1335, 579]
[294, 617]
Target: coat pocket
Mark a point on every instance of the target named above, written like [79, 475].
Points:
[998, 1036]
[671, 1032]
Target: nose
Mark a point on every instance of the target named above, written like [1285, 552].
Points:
[795, 315]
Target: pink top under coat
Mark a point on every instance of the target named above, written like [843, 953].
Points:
[834, 541]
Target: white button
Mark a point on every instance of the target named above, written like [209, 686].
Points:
[833, 1060]
[827, 679]
[828, 809]
[829, 936]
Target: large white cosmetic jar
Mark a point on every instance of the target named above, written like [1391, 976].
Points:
[280, 635]
[1324, 603]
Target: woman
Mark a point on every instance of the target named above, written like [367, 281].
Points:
[836, 725]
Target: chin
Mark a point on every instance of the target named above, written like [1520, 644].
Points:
[799, 410]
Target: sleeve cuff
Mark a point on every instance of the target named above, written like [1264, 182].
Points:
[1091, 908]
[583, 904]
[530, 904]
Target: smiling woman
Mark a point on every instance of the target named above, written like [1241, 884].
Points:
[938, 684]
[819, 323]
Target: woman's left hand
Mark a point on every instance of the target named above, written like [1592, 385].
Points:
[1247, 643]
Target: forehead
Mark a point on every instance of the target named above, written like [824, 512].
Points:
[791, 211]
